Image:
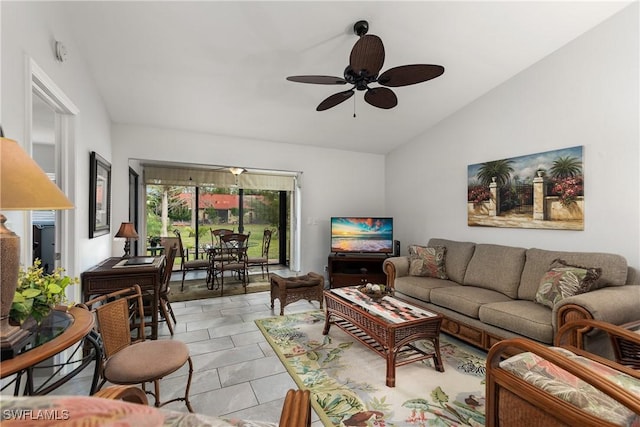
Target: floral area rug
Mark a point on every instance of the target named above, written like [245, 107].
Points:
[347, 379]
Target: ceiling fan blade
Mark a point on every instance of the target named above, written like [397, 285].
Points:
[367, 55]
[334, 100]
[409, 74]
[381, 97]
[318, 80]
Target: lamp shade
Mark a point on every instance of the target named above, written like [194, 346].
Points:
[23, 184]
[127, 230]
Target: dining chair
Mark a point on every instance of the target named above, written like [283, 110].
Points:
[216, 255]
[216, 233]
[166, 242]
[263, 259]
[233, 258]
[127, 357]
[165, 305]
[189, 265]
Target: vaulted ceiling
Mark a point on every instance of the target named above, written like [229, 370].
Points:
[220, 66]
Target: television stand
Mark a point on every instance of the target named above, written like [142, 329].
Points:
[355, 269]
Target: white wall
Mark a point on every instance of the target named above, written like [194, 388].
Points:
[334, 182]
[29, 31]
[583, 94]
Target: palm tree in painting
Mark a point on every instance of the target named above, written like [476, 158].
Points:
[566, 173]
[566, 167]
[499, 169]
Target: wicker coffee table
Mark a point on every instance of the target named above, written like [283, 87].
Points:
[388, 326]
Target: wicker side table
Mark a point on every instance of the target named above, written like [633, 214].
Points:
[292, 289]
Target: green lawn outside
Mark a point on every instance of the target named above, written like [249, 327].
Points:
[255, 240]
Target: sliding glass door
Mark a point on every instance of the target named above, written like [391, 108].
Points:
[196, 210]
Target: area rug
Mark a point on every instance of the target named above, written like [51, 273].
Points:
[197, 289]
[347, 380]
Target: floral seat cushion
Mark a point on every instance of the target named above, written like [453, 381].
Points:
[563, 385]
[71, 411]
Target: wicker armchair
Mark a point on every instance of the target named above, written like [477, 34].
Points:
[571, 395]
[624, 342]
[127, 357]
[296, 411]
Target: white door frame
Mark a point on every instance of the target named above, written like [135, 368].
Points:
[40, 84]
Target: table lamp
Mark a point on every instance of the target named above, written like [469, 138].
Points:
[23, 186]
[128, 231]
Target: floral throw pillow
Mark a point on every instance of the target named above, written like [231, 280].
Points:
[427, 261]
[564, 280]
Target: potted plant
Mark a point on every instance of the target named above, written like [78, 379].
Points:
[38, 293]
[154, 241]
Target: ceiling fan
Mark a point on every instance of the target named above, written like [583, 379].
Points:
[365, 63]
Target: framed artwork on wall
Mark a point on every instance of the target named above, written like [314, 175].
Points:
[542, 190]
[99, 196]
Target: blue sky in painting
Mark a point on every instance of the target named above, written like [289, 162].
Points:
[525, 167]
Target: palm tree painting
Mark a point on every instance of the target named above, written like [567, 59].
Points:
[542, 190]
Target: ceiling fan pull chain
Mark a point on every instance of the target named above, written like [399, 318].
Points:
[354, 107]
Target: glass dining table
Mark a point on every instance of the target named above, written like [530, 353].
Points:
[229, 255]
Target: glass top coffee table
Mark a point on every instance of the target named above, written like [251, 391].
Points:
[388, 326]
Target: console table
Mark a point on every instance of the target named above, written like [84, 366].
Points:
[349, 270]
[110, 275]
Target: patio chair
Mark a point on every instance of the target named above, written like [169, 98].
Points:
[127, 357]
[215, 235]
[263, 259]
[233, 258]
[215, 254]
[189, 265]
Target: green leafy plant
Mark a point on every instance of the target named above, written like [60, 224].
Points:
[38, 293]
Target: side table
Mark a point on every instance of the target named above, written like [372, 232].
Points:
[66, 329]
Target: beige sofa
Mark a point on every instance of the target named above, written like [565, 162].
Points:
[490, 292]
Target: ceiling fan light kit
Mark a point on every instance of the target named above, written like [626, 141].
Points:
[365, 62]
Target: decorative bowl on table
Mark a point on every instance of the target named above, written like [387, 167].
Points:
[375, 292]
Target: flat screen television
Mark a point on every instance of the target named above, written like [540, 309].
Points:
[361, 235]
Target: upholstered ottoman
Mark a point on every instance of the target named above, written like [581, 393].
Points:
[292, 289]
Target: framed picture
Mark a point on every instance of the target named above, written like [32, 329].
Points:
[542, 190]
[99, 196]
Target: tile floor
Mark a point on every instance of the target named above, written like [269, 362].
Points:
[236, 373]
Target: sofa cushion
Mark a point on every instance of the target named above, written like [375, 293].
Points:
[614, 268]
[427, 261]
[457, 257]
[420, 287]
[525, 318]
[466, 300]
[496, 267]
[564, 280]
